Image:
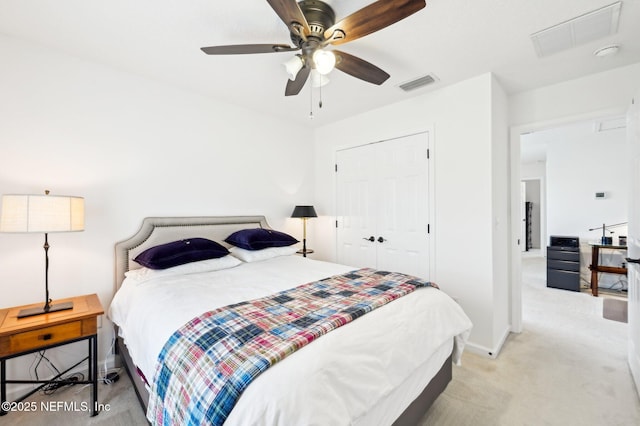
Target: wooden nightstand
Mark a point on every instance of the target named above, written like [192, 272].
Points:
[22, 336]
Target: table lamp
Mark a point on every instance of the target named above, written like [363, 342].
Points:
[304, 213]
[42, 214]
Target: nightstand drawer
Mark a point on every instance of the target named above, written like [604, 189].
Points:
[45, 336]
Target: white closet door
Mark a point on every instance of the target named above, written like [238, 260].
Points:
[402, 201]
[356, 207]
[383, 189]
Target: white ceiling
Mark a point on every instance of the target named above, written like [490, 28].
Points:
[453, 39]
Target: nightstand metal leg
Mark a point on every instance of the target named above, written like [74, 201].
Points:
[3, 386]
[93, 374]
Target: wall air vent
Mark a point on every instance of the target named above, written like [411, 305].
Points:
[591, 26]
[418, 82]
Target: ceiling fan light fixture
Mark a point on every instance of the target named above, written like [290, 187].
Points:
[318, 80]
[324, 61]
[293, 66]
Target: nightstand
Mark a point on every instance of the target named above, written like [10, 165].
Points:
[22, 336]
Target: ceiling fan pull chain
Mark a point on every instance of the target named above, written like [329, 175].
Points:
[320, 103]
[311, 102]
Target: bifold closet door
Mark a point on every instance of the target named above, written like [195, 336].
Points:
[356, 206]
[383, 193]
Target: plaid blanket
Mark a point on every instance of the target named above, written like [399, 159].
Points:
[205, 366]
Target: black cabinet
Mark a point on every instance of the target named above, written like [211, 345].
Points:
[563, 263]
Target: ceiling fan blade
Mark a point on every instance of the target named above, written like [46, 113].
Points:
[241, 49]
[291, 14]
[294, 87]
[359, 68]
[371, 18]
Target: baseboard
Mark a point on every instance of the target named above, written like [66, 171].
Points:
[488, 352]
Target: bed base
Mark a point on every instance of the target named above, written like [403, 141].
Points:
[411, 416]
[138, 384]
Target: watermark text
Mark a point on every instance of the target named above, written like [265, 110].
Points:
[53, 406]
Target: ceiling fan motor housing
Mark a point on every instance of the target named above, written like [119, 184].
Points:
[319, 15]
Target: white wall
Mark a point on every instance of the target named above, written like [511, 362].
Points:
[592, 96]
[581, 162]
[133, 148]
[459, 118]
[500, 215]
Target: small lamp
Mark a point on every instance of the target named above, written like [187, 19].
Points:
[42, 214]
[304, 213]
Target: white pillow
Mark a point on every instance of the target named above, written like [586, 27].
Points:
[264, 254]
[208, 265]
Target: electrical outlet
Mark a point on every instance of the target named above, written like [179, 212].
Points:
[99, 321]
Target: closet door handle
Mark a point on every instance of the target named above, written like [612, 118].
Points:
[381, 240]
[371, 238]
[632, 260]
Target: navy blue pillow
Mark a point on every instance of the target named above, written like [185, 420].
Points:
[180, 252]
[259, 238]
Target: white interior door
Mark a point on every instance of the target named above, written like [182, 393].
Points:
[382, 192]
[402, 206]
[633, 240]
[356, 207]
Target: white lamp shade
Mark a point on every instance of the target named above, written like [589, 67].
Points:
[293, 66]
[41, 213]
[324, 60]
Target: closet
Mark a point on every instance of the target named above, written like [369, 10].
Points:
[382, 205]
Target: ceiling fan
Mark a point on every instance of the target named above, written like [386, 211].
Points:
[312, 27]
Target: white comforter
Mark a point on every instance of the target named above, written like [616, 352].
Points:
[345, 377]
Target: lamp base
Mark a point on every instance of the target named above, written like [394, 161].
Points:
[39, 311]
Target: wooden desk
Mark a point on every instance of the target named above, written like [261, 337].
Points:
[595, 267]
[21, 336]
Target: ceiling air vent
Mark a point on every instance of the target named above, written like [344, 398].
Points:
[591, 26]
[418, 82]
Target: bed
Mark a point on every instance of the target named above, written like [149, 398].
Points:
[386, 367]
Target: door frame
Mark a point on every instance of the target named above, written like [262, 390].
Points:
[515, 178]
[429, 132]
[633, 143]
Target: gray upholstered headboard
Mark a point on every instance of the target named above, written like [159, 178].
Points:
[160, 230]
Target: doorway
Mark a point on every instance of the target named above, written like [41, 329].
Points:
[534, 219]
[570, 223]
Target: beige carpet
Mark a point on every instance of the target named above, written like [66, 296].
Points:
[568, 367]
[121, 407]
